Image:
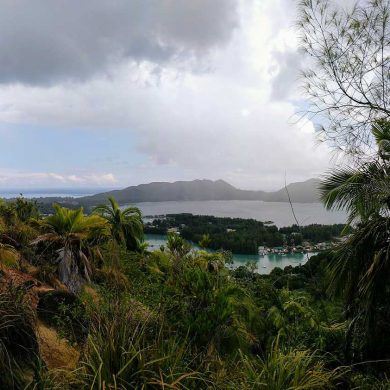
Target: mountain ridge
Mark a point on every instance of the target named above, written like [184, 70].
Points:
[203, 190]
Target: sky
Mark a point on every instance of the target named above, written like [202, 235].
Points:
[113, 93]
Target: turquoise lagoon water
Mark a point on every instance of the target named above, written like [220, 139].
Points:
[265, 264]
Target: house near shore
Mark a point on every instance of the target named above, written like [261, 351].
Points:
[278, 250]
[323, 246]
[263, 250]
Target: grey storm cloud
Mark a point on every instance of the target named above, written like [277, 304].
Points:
[45, 41]
[287, 78]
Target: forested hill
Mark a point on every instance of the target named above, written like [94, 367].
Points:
[201, 190]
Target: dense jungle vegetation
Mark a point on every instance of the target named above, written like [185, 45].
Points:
[240, 235]
[84, 305]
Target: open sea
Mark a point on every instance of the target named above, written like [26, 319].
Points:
[45, 193]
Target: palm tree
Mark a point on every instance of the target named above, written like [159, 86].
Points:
[177, 245]
[126, 225]
[360, 268]
[68, 230]
[205, 241]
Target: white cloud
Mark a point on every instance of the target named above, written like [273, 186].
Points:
[234, 120]
[42, 179]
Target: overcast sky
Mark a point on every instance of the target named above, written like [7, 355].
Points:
[114, 93]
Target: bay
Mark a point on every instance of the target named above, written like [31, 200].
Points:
[280, 213]
[264, 264]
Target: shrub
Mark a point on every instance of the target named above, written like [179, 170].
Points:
[66, 312]
[203, 301]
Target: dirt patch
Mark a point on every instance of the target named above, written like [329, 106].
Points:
[55, 351]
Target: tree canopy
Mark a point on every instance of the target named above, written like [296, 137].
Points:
[348, 72]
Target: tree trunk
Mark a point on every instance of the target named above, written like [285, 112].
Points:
[68, 271]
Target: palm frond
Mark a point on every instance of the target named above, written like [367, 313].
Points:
[361, 262]
[360, 192]
[45, 238]
[70, 230]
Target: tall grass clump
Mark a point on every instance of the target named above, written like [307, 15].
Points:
[293, 369]
[18, 345]
[127, 353]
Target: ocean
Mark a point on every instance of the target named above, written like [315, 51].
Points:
[44, 192]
